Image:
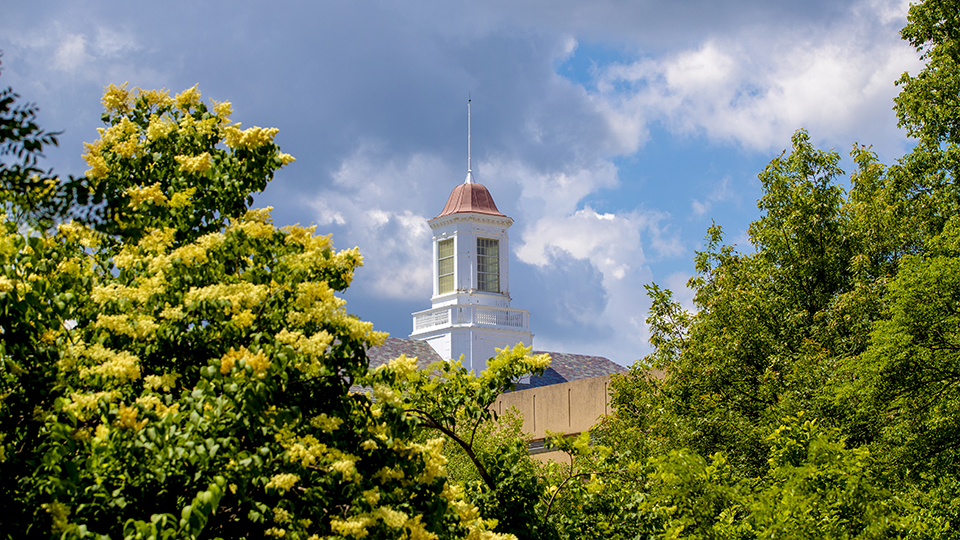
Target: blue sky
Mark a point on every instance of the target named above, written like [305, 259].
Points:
[612, 132]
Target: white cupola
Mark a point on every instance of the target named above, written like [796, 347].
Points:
[471, 315]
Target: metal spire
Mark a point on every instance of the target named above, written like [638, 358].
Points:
[469, 179]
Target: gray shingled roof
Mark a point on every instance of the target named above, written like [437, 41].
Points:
[563, 368]
[394, 347]
[566, 367]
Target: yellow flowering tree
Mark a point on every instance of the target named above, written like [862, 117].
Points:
[452, 408]
[165, 161]
[181, 368]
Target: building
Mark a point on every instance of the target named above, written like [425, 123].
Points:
[471, 317]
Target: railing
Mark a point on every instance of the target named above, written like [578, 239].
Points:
[498, 317]
[429, 320]
[467, 315]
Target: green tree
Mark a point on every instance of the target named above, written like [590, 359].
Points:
[766, 334]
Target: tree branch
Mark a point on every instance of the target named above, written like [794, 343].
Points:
[429, 421]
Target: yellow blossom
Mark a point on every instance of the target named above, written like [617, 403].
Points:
[416, 530]
[245, 318]
[355, 527]
[393, 518]
[403, 366]
[167, 381]
[372, 496]
[317, 302]
[157, 240]
[153, 403]
[6, 284]
[172, 312]
[181, 199]
[285, 159]
[135, 326]
[128, 419]
[155, 98]
[126, 149]
[241, 296]
[159, 128]
[194, 164]
[59, 513]
[227, 363]
[328, 424]
[84, 405]
[207, 126]
[249, 139]
[258, 362]
[152, 194]
[116, 99]
[386, 474]
[98, 165]
[109, 363]
[315, 345]
[223, 109]
[433, 459]
[281, 516]
[307, 237]
[282, 482]
[188, 98]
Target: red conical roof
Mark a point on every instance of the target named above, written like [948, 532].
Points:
[470, 197]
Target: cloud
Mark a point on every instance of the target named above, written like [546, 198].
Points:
[722, 191]
[755, 90]
[369, 95]
[377, 202]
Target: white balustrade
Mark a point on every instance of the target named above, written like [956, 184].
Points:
[423, 321]
[467, 315]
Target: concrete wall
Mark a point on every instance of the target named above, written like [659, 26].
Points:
[569, 408]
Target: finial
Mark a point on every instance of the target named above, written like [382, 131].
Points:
[469, 179]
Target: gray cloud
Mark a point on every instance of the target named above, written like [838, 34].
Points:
[369, 96]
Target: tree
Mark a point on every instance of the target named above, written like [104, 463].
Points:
[182, 368]
[495, 471]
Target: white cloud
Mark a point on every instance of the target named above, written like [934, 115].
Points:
[378, 199]
[71, 54]
[700, 207]
[756, 90]
[84, 54]
[722, 192]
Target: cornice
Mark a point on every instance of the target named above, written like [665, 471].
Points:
[470, 217]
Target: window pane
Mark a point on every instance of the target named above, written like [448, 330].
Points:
[486, 246]
[445, 248]
[445, 266]
[488, 282]
[488, 265]
[446, 284]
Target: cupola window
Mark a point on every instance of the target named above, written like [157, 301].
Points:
[488, 265]
[445, 265]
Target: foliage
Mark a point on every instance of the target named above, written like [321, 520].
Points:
[843, 309]
[501, 479]
[183, 368]
[815, 487]
[760, 345]
[26, 190]
[913, 362]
